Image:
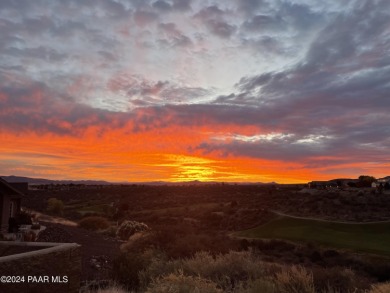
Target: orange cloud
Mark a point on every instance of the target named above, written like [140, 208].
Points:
[117, 155]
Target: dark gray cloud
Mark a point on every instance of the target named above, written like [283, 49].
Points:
[221, 28]
[299, 16]
[214, 19]
[174, 37]
[37, 108]
[209, 12]
[175, 5]
[251, 6]
[44, 53]
[264, 23]
[162, 5]
[182, 5]
[141, 92]
[143, 18]
[267, 45]
[334, 152]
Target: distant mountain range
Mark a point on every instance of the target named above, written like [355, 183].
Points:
[15, 179]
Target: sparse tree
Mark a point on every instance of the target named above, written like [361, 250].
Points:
[366, 181]
[55, 206]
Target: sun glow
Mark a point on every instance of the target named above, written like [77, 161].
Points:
[190, 168]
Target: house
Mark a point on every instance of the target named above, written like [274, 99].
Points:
[322, 184]
[10, 199]
[345, 182]
[384, 180]
[334, 183]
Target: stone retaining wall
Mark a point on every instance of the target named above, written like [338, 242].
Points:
[54, 268]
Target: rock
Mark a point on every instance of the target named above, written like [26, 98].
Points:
[99, 262]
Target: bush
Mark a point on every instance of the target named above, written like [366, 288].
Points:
[175, 243]
[378, 270]
[341, 279]
[55, 206]
[244, 272]
[178, 283]
[380, 288]
[126, 268]
[94, 223]
[110, 289]
[227, 271]
[259, 285]
[128, 228]
[110, 231]
[295, 280]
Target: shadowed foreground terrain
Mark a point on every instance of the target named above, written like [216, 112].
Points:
[184, 238]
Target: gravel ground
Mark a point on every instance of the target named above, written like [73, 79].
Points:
[98, 251]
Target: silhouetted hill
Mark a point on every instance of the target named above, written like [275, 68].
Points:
[15, 179]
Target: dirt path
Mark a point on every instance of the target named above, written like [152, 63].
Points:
[51, 219]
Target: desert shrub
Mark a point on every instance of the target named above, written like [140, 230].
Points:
[274, 245]
[128, 228]
[216, 244]
[338, 278]
[178, 283]
[211, 220]
[94, 223]
[126, 267]
[243, 272]
[316, 257]
[244, 244]
[158, 266]
[110, 289]
[110, 231]
[378, 270]
[380, 288]
[227, 270]
[235, 266]
[55, 206]
[330, 289]
[295, 280]
[258, 285]
[175, 242]
[330, 253]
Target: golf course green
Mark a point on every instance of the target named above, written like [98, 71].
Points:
[368, 237]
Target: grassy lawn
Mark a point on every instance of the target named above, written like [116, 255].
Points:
[83, 207]
[371, 238]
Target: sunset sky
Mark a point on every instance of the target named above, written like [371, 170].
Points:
[179, 90]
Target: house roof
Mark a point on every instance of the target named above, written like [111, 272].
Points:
[7, 190]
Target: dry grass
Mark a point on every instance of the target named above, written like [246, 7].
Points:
[175, 283]
[380, 288]
[295, 280]
[111, 289]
